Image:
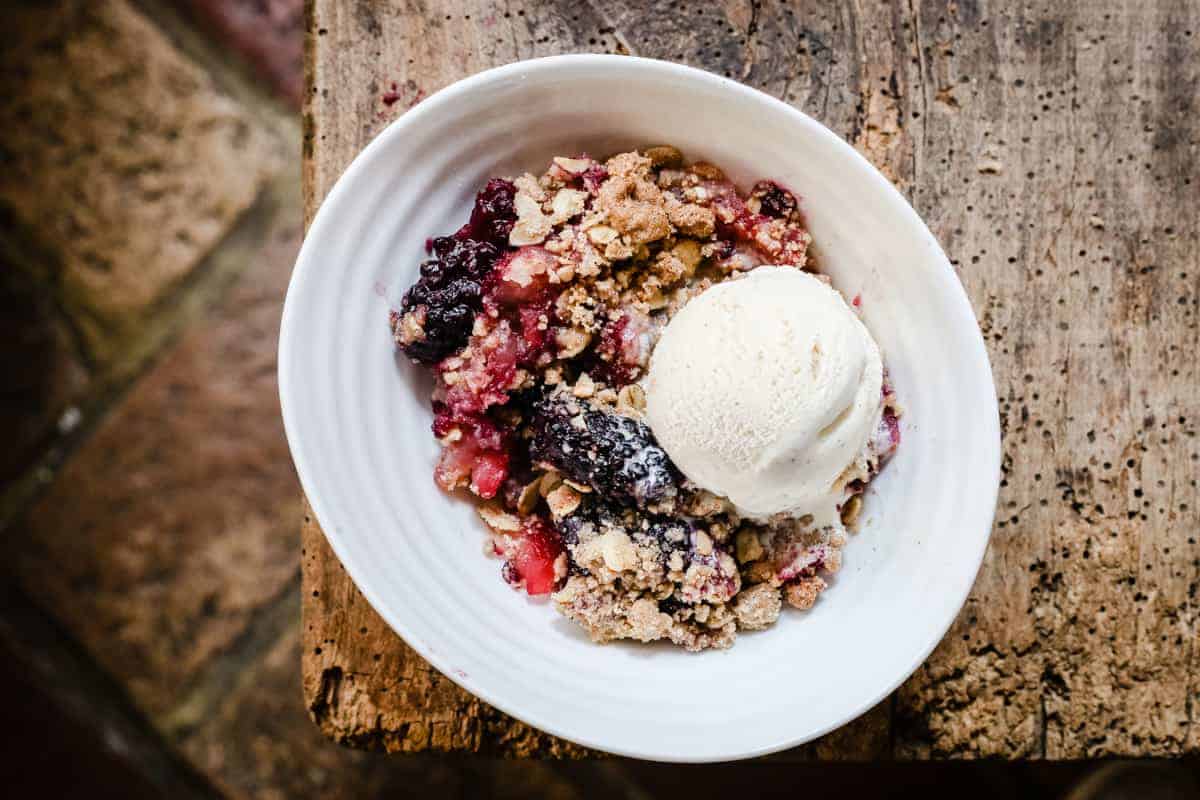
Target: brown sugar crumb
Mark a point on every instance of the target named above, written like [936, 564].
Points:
[632, 201]
[664, 156]
[646, 622]
[632, 165]
[640, 222]
[691, 219]
[607, 615]
[747, 546]
[618, 250]
[757, 607]
[668, 267]
[708, 172]
[803, 593]
[760, 572]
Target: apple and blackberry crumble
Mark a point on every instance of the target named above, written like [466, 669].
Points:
[666, 416]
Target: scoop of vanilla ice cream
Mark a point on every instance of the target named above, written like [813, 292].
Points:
[764, 390]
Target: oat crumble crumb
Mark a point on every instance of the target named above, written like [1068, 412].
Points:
[757, 607]
[803, 594]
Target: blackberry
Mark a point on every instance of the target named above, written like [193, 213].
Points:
[774, 200]
[450, 288]
[449, 311]
[614, 454]
[493, 216]
[467, 258]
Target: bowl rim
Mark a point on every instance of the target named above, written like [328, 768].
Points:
[306, 264]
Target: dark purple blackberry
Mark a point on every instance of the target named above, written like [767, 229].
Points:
[468, 258]
[614, 454]
[448, 294]
[774, 200]
[493, 216]
[449, 308]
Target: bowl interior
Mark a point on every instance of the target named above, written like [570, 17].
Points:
[358, 418]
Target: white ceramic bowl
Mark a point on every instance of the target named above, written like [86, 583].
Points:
[358, 418]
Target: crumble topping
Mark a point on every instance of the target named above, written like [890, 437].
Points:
[757, 607]
[538, 317]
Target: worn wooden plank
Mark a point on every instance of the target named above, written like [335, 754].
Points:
[1052, 148]
[1057, 162]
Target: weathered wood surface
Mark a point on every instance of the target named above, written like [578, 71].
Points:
[1052, 147]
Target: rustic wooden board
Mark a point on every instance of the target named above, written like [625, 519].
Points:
[1052, 148]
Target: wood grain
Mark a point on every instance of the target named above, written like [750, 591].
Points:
[1052, 148]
